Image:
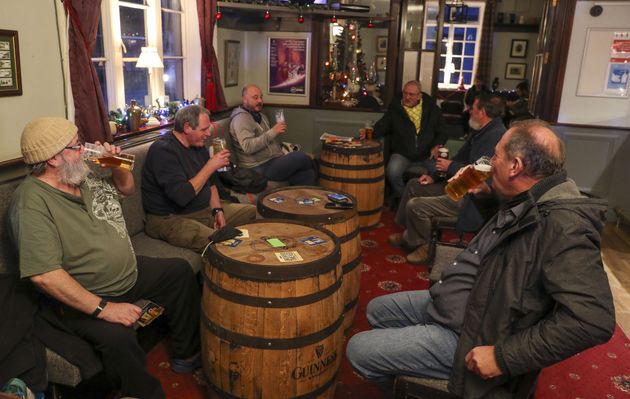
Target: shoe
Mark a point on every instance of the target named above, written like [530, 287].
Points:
[419, 256]
[397, 240]
[186, 366]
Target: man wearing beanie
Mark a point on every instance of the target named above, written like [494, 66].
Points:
[73, 245]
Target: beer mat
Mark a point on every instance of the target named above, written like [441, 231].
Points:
[150, 312]
[316, 199]
[232, 243]
[277, 200]
[276, 242]
[292, 256]
[312, 241]
[305, 201]
[244, 233]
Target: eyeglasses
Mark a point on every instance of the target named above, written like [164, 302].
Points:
[74, 147]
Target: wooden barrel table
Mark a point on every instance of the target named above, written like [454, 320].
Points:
[288, 203]
[272, 313]
[356, 168]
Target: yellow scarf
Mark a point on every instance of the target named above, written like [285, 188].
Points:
[415, 114]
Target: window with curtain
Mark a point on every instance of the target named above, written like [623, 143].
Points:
[127, 26]
[459, 49]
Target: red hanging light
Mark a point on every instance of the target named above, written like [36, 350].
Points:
[301, 19]
[333, 19]
[370, 24]
[267, 15]
[218, 15]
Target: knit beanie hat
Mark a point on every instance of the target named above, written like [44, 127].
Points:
[43, 138]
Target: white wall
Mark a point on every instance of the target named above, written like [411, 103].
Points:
[597, 111]
[233, 93]
[42, 81]
[501, 47]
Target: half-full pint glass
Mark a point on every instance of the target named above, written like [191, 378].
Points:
[96, 153]
[216, 146]
[471, 177]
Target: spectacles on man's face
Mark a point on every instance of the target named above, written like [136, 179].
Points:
[74, 147]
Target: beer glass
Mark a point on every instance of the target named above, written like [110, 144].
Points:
[96, 153]
[216, 146]
[470, 177]
[280, 116]
[442, 153]
[369, 129]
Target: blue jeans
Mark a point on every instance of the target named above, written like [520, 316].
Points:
[405, 340]
[394, 170]
[294, 167]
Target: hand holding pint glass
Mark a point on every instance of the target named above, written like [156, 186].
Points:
[105, 157]
[216, 146]
[470, 177]
[280, 116]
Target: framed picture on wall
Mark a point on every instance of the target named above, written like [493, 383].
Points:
[381, 44]
[287, 64]
[381, 63]
[232, 60]
[10, 78]
[518, 48]
[514, 70]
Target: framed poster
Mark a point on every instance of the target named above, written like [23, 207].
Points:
[518, 48]
[381, 44]
[10, 78]
[232, 60]
[515, 70]
[381, 63]
[288, 67]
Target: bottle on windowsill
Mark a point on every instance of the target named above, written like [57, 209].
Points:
[134, 114]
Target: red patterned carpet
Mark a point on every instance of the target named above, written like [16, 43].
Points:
[601, 372]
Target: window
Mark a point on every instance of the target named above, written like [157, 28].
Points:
[127, 26]
[460, 43]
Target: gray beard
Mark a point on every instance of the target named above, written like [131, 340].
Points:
[73, 174]
[474, 125]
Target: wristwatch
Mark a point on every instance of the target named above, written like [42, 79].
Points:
[99, 308]
[216, 210]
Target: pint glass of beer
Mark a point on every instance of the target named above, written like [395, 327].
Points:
[216, 146]
[471, 177]
[96, 153]
[369, 129]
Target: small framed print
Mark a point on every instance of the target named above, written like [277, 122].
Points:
[515, 70]
[10, 77]
[381, 63]
[518, 48]
[381, 44]
[232, 61]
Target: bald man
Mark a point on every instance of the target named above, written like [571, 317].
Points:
[529, 291]
[258, 145]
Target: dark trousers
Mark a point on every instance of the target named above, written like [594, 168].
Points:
[170, 283]
[295, 167]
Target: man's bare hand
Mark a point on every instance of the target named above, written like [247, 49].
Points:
[362, 134]
[121, 313]
[219, 221]
[220, 159]
[280, 128]
[442, 164]
[435, 152]
[482, 361]
[425, 179]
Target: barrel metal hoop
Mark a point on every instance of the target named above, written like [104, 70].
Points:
[371, 211]
[333, 218]
[311, 395]
[352, 180]
[353, 151]
[261, 302]
[270, 343]
[351, 304]
[350, 235]
[366, 166]
[350, 266]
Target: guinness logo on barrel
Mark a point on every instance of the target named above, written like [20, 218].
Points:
[320, 365]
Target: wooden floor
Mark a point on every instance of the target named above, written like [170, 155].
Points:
[616, 256]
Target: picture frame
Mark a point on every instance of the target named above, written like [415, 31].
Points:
[381, 44]
[10, 74]
[232, 60]
[288, 66]
[518, 49]
[381, 63]
[515, 70]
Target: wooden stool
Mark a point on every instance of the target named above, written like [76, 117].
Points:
[421, 388]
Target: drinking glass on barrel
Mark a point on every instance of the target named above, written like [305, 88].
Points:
[96, 153]
[469, 178]
[369, 130]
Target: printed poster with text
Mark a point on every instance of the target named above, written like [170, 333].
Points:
[287, 66]
[619, 65]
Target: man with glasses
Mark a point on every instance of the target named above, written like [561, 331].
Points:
[417, 130]
[74, 247]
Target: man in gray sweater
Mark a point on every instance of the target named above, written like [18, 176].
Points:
[257, 145]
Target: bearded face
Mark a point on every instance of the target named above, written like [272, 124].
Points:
[73, 172]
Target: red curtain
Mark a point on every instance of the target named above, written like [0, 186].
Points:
[487, 37]
[90, 108]
[210, 77]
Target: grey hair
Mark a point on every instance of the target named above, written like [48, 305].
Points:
[414, 83]
[189, 114]
[540, 158]
[37, 168]
[492, 104]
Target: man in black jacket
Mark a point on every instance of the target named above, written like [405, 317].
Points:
[424, 198]
[529, 291]
[416, 128]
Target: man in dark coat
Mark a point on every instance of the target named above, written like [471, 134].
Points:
[416, 128]
[529, 291]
